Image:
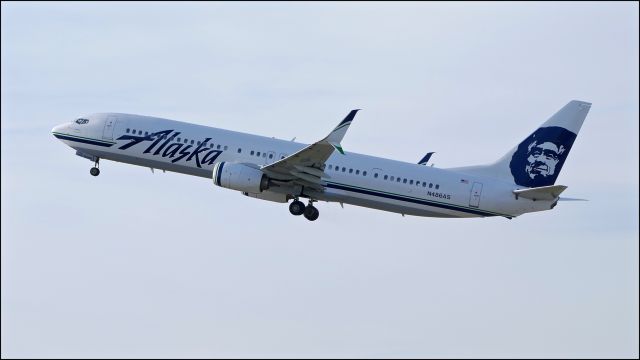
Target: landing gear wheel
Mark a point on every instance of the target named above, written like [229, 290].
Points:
[311, 213]
[94, 171]
[296, 208]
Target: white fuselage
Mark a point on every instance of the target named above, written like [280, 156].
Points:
[351, 178]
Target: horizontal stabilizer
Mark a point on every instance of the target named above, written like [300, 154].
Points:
[571, 199]
[540, 193]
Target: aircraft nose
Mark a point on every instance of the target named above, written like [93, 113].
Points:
[57, 129]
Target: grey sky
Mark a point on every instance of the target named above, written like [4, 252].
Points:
[139, 264]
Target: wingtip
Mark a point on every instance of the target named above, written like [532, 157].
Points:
[349, 117]
[581, 102]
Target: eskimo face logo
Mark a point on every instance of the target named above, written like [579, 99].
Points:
[542, 159]
[538, 159]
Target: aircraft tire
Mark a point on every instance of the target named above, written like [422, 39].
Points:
[297, 208]
[311, 213]
[94, 171]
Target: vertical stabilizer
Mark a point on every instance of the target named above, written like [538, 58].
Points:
[538, 159]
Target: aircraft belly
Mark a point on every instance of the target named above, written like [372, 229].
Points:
[205, 172]
[391, 205]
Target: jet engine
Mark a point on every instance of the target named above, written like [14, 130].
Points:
[239, 177]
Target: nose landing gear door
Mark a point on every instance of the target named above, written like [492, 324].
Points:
[109, 125]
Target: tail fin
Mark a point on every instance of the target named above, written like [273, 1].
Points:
[538, 159]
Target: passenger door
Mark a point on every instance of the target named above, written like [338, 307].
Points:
[109, 125]
[476, 192]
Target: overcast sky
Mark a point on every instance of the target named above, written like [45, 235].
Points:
[135, 264]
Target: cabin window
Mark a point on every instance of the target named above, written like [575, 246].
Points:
[199, 142]
[330, 167]
[385, 177]
[252, 152]
[270, 156]
[139, 132]
[127, 131]
[364, 173]
[424, 184]
[178, 140]
[404, 181]
[430, 185]
[398, 179]
[344, 169]
[375, 175]
[437, 186]
[410, 182]
[191, 142]
[239, 150]
[417, 183]
[257, 154]
[350, 171]
[146, 133]
[357, 172]
[218, 147]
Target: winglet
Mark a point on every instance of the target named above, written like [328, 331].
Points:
[426, 158]
[338, 147]
[338, 133]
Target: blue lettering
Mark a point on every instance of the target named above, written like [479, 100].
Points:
[170, 152]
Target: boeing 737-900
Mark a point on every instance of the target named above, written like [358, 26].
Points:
[520, 182]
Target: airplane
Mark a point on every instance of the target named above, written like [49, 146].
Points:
[522, 181]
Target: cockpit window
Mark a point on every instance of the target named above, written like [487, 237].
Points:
[82, 121]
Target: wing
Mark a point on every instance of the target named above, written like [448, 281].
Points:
[305, 167]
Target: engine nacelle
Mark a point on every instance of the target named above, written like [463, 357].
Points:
[269, 196]
[239, 177]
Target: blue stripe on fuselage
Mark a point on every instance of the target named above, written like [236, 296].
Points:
[85, 141]
[407, 199]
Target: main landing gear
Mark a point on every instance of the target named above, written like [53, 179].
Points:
[310, 212]
[94, 170]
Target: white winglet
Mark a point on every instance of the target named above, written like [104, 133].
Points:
[336, 136]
